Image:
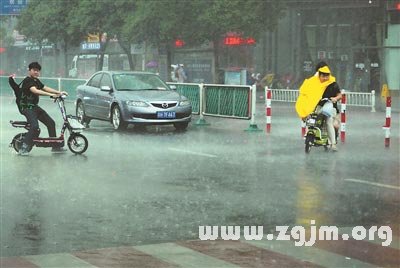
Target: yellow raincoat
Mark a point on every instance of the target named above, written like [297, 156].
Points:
[310, 94]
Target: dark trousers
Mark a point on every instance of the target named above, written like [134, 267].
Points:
[33, 116]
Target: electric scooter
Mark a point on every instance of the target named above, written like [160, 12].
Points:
[317, 133]
[77, 143]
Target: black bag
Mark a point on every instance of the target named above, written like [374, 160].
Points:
[17, 91]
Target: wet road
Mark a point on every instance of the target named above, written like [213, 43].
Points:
[143, 187]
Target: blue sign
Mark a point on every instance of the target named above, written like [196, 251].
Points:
[90, 46]
[12, 7]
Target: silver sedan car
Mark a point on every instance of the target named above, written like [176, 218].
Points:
[131, 98]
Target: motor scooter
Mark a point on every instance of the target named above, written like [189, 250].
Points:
[77, 143]
[317, 133]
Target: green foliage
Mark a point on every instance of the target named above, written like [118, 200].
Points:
[47, 21]
[250, 18]
[197, 21]
[5, 37]
[158, 22]
[154, 21]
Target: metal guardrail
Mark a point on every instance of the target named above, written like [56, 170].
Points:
[217, 100]
[362, 99]
[227, 100]
[285, 95]
[190, 91]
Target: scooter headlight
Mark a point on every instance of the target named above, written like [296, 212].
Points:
[311, 121]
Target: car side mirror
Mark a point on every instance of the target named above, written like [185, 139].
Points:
[173, 87]
[105, 88]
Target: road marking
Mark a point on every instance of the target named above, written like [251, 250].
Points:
[182, 256]
[57, 260]
[309, 254]
[375, 184]
[191, 152]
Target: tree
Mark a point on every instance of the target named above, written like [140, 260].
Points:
[5, 38]
[47, 22]
[98, 17]
[246, 18]
[160, 23]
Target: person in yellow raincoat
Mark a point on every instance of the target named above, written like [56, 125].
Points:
[313, 89]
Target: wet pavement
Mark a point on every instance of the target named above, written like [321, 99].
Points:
[136, 198]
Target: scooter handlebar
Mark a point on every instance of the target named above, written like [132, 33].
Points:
[61, 96]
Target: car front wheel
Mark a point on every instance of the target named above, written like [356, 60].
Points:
[80, 113]
[116, 118]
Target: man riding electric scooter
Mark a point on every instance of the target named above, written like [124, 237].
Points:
[314, 93]
[32, 88]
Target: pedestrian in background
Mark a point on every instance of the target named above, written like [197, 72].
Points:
[181, 74]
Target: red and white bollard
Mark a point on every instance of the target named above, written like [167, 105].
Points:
[388, 120]
[343, 117]
[268, 100]
[303, 128]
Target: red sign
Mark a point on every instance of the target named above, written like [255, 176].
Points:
[179, 43]
[234, 40]
[250, 41]
[2, 49]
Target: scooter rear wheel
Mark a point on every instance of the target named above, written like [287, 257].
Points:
[77, 143]
[17, 142]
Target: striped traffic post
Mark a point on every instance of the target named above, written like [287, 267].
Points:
[268, 97]
[253, 126]
[201, 121]
[303, 128]
[388, 120]
[343, 117]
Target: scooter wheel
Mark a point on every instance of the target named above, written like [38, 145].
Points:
[17, 142]
[308, 143]
[77, 143]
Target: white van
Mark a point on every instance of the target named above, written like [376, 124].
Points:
[83, 66]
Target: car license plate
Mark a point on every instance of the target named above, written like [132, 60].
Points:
[166, 115]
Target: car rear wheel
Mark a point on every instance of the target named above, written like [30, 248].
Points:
[116, 118]
[181, 126]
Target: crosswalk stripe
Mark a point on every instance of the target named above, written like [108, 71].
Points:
[182, 256]
[363, 250]
[244, 254]
[310, 254]
[121, 257]
[220, 253]
[57, 260]
[16, 262]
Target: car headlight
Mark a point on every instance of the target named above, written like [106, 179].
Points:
[136, 103]
[184, 103]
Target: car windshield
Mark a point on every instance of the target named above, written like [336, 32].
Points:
[132, 82]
